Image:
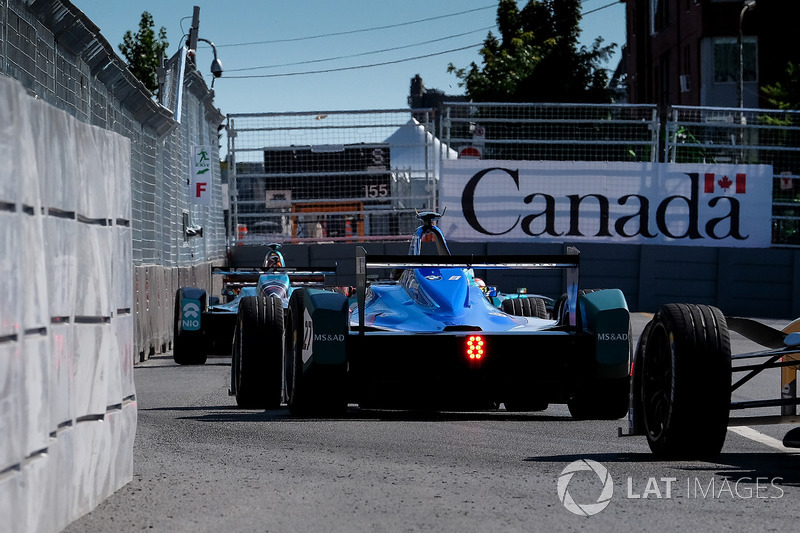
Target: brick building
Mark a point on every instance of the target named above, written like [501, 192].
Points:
[685, 52]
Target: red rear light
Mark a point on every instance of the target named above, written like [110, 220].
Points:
[475, 347]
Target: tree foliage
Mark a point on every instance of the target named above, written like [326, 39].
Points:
[144, 51]
[785, 94]
[537, 58]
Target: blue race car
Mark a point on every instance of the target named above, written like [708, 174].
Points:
[429, 338]
[205, 326]
[257, 296]
[257, 353]
[519, 303]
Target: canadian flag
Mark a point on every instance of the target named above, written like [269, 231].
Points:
[725, 183]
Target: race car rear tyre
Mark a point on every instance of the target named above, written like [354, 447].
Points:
[188, 347]
[683, 369]
[533, 307]
[258, 353]
[309, 394]
[602, 399]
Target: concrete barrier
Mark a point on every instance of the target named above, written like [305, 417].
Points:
[67, 395]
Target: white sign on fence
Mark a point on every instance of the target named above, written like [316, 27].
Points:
[200, 183]
[635, 203]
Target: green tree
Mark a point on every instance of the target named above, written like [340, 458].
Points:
[785, 94]
[144, 51]
[537, 58]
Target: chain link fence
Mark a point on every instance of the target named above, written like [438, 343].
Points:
[552, 132]
[335, 176]
[623, 132]
[745, 136]
[58, 55]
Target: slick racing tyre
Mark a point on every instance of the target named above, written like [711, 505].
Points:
[309, 392]
[188, 347]
[258, 353]
[533, 307]
[682, 380]
[559, 309]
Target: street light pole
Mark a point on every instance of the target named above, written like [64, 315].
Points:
[748, 4]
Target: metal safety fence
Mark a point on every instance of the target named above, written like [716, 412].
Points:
[624, 132]
[58, 55]
[552, 132]
[332, 176]
[745, 136]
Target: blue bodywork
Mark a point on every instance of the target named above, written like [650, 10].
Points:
[431, 299]
[217, 322]
[437, 299]
[267, 284]
[430, 336]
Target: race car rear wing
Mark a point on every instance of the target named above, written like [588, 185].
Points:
[250, 275]
[569, 261]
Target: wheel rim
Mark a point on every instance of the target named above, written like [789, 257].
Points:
[657, 382]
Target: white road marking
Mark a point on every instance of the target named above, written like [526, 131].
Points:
[757, 436]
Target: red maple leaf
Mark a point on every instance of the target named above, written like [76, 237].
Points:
[725, 183]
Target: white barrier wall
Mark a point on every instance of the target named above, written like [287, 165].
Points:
[67, 397]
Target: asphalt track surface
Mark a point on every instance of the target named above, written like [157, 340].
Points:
[202, 465]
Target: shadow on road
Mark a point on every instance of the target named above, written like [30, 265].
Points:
[355, 414]
[740, 467]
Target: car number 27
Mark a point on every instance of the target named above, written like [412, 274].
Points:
[308, 336]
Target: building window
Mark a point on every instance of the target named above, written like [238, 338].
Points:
[659, 15]
[726, 60]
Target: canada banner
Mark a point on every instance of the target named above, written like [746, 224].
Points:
[635, 203]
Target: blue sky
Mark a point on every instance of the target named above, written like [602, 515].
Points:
[293, 37]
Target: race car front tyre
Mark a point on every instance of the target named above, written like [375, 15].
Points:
[188, 347]
[683, 375]
[258, 353]
[533, 307]
[308, 394]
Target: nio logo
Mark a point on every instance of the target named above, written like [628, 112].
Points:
[329, 337]
[612, 336]
[191, 309]
[190, 314]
